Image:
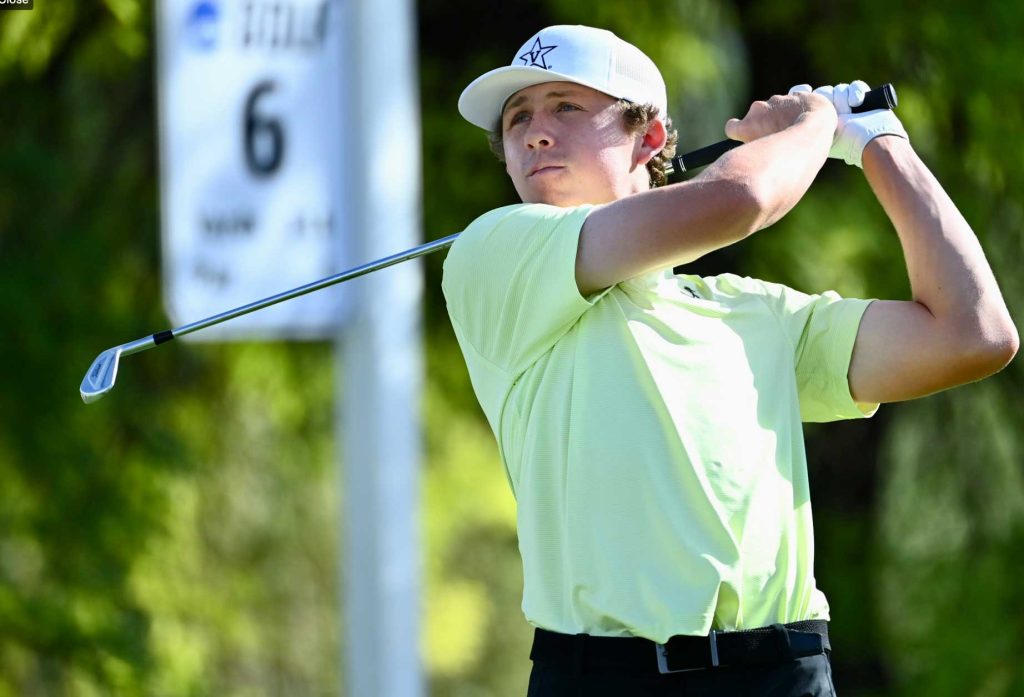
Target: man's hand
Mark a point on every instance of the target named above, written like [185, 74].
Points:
[855, 131]
[779, 113]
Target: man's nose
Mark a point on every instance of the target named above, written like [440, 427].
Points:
[540, 134]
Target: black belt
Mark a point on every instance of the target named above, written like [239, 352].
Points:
[753, 647]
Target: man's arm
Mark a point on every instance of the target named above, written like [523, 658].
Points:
[957, 328]
[747, 189]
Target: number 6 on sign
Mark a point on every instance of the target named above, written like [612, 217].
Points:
[264, 136]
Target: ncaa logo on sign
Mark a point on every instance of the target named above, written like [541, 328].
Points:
[201, 25]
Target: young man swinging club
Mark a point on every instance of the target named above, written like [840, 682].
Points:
[650, 422]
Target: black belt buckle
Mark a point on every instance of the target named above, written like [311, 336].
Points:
[664, 665]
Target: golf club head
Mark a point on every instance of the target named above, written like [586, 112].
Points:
[102, 373]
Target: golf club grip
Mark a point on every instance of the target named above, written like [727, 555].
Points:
[883, 97]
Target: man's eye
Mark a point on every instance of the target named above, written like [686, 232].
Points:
[518, 118]
[566, 106]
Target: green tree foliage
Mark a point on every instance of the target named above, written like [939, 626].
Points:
[179, 537]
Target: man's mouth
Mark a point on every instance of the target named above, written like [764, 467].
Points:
[547, 169]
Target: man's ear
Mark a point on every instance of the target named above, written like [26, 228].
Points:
[652, 142]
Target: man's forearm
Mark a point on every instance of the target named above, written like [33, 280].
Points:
[779, 168]
[948, 272]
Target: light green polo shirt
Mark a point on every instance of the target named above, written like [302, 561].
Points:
[651, 433]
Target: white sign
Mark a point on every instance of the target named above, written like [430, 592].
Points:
[251, 133]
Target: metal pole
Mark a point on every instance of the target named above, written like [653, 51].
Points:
[378, 364]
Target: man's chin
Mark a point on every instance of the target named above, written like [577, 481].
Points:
[560, 199]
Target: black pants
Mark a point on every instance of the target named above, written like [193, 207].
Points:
[810, 676]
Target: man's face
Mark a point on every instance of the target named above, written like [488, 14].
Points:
[565, 144]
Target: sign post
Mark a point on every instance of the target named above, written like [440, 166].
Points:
[380, 361]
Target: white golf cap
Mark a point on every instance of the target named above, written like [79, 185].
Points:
[592, 57]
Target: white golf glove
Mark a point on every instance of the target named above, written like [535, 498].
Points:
[855, 131]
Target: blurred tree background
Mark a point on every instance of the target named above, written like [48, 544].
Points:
[179, 537]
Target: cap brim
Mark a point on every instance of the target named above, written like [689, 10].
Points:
[481, 102]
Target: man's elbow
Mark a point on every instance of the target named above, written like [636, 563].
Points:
[1003, 349]
[994, 348]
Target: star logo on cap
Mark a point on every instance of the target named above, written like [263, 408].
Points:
[535, 56]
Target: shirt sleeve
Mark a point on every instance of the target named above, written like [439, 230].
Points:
[510, 282]
[822, 330]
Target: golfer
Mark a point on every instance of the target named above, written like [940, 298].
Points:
[650, 421]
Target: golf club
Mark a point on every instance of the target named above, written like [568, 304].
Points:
[102, 374]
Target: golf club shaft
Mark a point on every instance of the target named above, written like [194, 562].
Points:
[101, 375]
